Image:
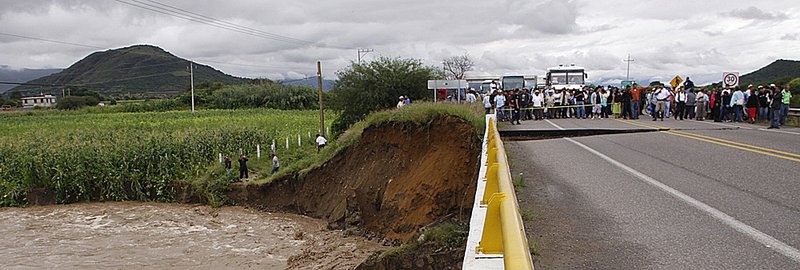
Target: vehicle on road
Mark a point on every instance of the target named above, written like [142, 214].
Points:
[513, 82]
[566, 77]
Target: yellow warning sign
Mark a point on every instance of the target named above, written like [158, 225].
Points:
[676, 81]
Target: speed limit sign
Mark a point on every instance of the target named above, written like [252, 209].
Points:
[730, 79]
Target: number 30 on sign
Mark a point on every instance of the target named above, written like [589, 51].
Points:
[730, 79]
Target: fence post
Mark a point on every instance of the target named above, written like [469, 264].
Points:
[298, 139]
[287, 142]
[220, 157]
[258, 151]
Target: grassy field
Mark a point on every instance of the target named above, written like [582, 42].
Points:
[141, 156]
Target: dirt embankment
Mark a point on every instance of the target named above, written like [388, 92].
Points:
[398, 178]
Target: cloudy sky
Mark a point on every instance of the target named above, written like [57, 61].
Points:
[700, 39]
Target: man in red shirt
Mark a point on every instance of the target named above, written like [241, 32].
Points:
[635, 98]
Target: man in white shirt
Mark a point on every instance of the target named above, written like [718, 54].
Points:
[321, 141]
[662, 96]
[499, 104]
[275, 164]
[680, 101]
[538, 103]
[471, 98]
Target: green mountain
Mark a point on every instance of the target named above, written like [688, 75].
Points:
[140, 70]
[780, 71]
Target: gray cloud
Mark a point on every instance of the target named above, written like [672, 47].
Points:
[504, 36]
[754, 13]
[551, 17]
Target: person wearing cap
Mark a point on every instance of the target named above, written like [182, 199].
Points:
[786, 98]
[662, 97]
[775, 105]
[538, 102]
[700, 102]
[401, 103]
[680, 102]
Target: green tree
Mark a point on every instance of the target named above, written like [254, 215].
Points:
[376, 85]
[75, 102]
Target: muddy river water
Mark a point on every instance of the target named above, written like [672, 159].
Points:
[134, 235]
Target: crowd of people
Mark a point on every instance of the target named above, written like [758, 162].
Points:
[659, 102]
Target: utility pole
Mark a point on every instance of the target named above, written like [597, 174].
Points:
[363, 52]
[628, 74]
[191, 77]
[321, 113]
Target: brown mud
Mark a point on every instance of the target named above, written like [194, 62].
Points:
[398, 178]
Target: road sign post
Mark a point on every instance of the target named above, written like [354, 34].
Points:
[730, 79]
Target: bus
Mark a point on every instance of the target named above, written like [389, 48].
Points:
[513, 82]
[566, 77]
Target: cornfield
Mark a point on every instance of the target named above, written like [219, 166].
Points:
[134, 156]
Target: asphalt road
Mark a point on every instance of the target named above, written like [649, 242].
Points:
[702, 196]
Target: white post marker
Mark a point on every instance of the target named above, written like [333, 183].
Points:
[273, 146]
[220, 157]
[298, 139]
[258, 151]
[287, 142]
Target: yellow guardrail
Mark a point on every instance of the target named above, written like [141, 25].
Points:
[503, 230]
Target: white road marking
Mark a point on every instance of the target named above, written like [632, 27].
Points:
[779, 131]
[758, 236]
[554, 124]
[724, 125]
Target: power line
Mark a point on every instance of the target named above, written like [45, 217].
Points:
[203, 19]
[53, 41]
[229, 23]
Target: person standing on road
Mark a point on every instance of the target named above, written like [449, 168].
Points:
[243, 173]
[500, 104]
[752, 106]
[524, 103]
[635, 102]
[580, 110]
[787, 98]
[557, 100]
[701, 101]
[725, 105]
[515, 104]
[538, 103]
[662, 97]
[691, 102]
[777, 103]
[625, 98]
[737, 100]
[487, 103]
[763, 103]
[680, 101]
[550, 102]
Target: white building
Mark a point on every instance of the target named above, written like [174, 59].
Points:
[39, 101]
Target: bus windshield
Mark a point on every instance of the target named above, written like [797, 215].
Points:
[511, 83]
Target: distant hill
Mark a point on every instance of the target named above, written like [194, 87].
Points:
[11, 75]
[779, 71]
[140, 70]
[327, 85]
